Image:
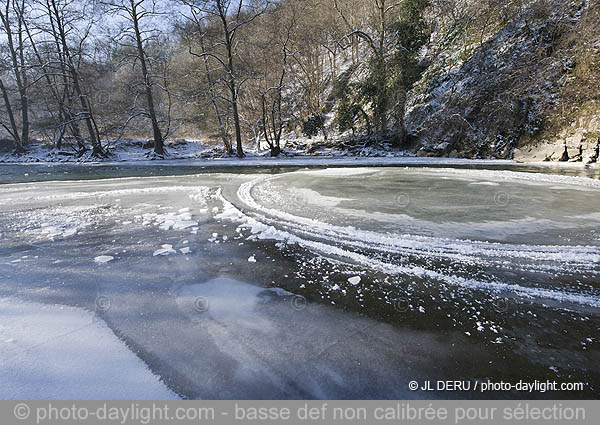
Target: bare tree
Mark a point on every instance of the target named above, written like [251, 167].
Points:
[12, 17]
[61, 95]
[134, 34]
[195, 36]
[231, 16]
[276, 69]
[376, 33]
[13, 130]
[67, 26]
[314, 63]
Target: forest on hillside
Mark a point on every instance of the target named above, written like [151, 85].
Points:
[81, 74]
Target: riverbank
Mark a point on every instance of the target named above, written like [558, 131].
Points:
[301, 152]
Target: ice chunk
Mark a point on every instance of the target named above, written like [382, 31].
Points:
[170, 221]
[69, 232]
[164, 251]
[354, 280]
[103, 259]
[184, 224]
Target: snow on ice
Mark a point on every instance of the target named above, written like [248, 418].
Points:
[54, 352]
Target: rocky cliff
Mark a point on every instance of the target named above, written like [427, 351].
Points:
[522, 90]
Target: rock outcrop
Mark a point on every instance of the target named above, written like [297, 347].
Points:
[523, 91]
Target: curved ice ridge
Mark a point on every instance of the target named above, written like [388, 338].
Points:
[235, 214]
[265, 231]
[499, 175]
[464, 250]
[102, 193]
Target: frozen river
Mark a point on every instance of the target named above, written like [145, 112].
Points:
[315, 283]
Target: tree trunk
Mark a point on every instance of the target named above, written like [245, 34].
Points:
[24, 83]
[234, 100]
[97, 150]
[158, 138]
[60, 35]
[213, 97]
[275, 150]
[238, 130]
[18, 66]
[381, 107]
[13, 130]
[231, 79]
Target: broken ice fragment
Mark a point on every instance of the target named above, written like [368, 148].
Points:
[166, 250]
[103, 259]
[354, 280]
[69, 232]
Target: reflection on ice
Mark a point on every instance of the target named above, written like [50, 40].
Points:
[228, 302]
[274, 346]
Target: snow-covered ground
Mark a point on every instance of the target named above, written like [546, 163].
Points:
[296, 152]
[134, 151]
[58, 352]
[125, 150]
[248, 283]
